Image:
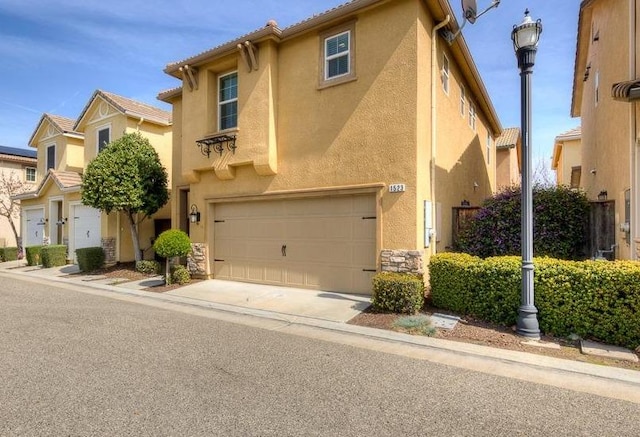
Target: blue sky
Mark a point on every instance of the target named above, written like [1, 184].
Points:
[55, 54]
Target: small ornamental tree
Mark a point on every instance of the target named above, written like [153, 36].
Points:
[128, 177]
[11, 185]
[560, 218]
[172, 243]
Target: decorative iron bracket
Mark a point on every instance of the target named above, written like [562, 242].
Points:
[218, 144]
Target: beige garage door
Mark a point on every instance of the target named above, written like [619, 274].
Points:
[326, 243]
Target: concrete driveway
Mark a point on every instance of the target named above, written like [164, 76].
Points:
[324, 305]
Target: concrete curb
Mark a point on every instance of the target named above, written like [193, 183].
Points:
[525, 362]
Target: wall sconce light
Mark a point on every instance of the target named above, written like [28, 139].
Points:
[602, 195]
[465, 203]
[218, 144]
[194, 215]
[62, 221]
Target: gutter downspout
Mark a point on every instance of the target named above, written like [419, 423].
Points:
[434, 63]
[633, 142]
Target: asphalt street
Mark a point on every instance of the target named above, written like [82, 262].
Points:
[75, 363]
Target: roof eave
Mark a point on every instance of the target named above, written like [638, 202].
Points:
[580, 63]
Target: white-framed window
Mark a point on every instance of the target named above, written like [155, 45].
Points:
[103, 137]
[337, 54]
[472, 115]
[488, 148]
[51, 157]
[445, 73]
[30, 174]
[463, 98]
[597, 87]
[228, 101]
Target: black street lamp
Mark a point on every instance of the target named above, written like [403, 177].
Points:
[525, 38]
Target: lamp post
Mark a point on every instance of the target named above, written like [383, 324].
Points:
[525, 38]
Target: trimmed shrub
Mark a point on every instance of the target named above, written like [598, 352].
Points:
[90, 258]
[54, 255]
[592, 299]
[148, 266]
[397, 292]
[32, 254]
[560, 219]
[170, 244]
[8, 254]
[180, 275]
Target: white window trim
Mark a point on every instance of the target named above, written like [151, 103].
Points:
[35, 174]
[224, 102]
[329, 58]
[101, 128]
[445, 73]
[489, 148]
[463, 97]
[323, 81]
[472, 115]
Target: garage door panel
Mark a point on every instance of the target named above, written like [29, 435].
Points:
[327, 242]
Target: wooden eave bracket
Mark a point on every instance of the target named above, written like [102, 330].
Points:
[190, 75]
[249, 54]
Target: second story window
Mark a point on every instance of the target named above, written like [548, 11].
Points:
[51, 157]
[337, 55]
[104, 138]
[463, 97]
[445, 73]
[30, 174]
[228, 101]
[472, 115]
[488, 148]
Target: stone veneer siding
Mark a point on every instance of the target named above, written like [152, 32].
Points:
[402, 261]
[109, 247]
[197, 260]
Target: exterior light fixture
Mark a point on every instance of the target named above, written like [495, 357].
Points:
[61, 222]
[602, 195]
[217, 144]
[194, 215]
[525, 37]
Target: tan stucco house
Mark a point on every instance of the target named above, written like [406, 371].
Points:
[566, 160]
[17, 165]
[315, 155]
[508, 157]
[606, 87]
[65, 147]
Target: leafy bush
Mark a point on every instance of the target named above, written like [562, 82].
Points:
[90, 258]
[397, 292]
[33, 255]
[172, 243]
[560, 217]
[592, 299]
[8, 254]
[148, 266]
[54, 255]
[180, 275]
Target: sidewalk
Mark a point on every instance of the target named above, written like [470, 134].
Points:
[311, 314]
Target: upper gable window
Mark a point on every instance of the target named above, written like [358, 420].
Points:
[337, 55]
[51, 157]
[445, 73]
[30, 174]
[104, 138]
[228, 101]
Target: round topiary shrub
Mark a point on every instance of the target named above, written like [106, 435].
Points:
[172, 243]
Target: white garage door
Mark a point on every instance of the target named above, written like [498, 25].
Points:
[86, 228]
[326, 243]
[34, 230]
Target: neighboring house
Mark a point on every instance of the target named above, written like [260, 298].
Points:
[65, 147]
[20, 163]
[567, 158]
[508, 155]
[311, 157]
[605, 92]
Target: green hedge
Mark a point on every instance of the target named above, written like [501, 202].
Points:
[180, 275]
[148, 266]
[90, 258]
[592, 299]
[397, 292]
[32, 253]
[8, 254]
[53, 255]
